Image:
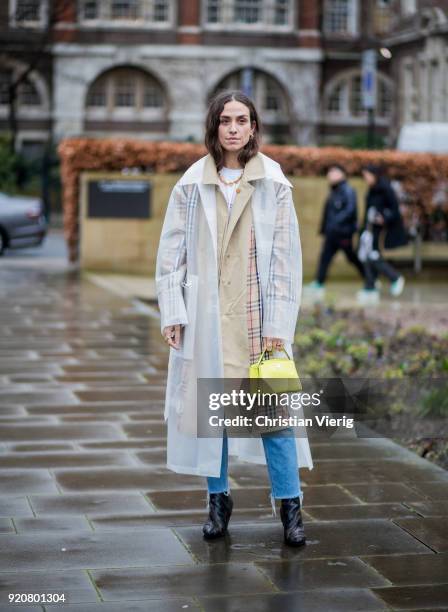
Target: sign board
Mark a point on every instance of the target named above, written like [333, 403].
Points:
[119, 199]
[247, 82]
[368, 78]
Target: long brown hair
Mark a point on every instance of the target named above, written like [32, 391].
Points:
[216, 106]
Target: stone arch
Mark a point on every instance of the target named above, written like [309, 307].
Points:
[126, 97]
[271, 98]
[344, 78]
[34, 78]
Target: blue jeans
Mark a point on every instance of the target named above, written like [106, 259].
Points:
[281, 460]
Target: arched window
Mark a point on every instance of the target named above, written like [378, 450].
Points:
[343, 97]
[130, 98]
[26, 95]
[125, 89]
[269, 97]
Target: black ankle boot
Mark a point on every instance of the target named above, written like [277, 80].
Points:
[292, 521]
[220, 510]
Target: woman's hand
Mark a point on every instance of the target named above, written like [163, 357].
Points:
[273, 343]
[171, 335]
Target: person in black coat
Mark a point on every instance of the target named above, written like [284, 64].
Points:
[339, 223]
[382, 213]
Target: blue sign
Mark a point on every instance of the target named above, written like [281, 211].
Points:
[369, 78]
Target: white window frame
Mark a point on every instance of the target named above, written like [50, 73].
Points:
[353, 20]
[38, 24]
[227, 22]
[105, 20]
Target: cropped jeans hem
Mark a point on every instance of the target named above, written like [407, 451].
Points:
[281, 461]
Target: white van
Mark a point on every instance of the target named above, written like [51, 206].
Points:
[423, 138]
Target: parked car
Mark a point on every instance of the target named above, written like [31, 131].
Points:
[22, 222]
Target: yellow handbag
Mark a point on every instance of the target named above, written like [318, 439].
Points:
[280, 373]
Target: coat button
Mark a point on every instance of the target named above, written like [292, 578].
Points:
[238, 190]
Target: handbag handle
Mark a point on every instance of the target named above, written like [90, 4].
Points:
[265, 350]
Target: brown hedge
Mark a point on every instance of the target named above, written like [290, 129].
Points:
[419, 173]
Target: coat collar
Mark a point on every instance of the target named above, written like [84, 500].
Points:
[254, 169]
[271, 170]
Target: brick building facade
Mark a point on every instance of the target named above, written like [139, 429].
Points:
[147, 67]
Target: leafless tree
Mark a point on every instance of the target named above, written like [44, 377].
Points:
[37, 47]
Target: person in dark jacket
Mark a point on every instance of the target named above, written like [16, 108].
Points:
[339, 223]
[382, 213]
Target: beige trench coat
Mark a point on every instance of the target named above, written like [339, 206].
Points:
[188, 293]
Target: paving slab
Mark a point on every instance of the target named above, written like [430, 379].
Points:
[6, 526]
[433, 596]
[39, 447]
[38, 397]
[20, 432]
[159, 582]
[313, 574]
[15, 506]
[75, 585]
[81, 550]
[113, 479]
[379, 471]
[404, 570]
[14, 482]
[51, 524]
[360, 511]
[384, 492]
[95, 408]
[336, 600]
[89, 503]
[430, 530]
[67, 459]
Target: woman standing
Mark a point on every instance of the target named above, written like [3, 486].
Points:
[382, 213]
[228, 278]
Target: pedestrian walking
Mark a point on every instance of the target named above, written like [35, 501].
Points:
[338, 225]
[382, 218]
[228, 276]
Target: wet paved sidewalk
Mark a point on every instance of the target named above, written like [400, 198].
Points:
[88, 509]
